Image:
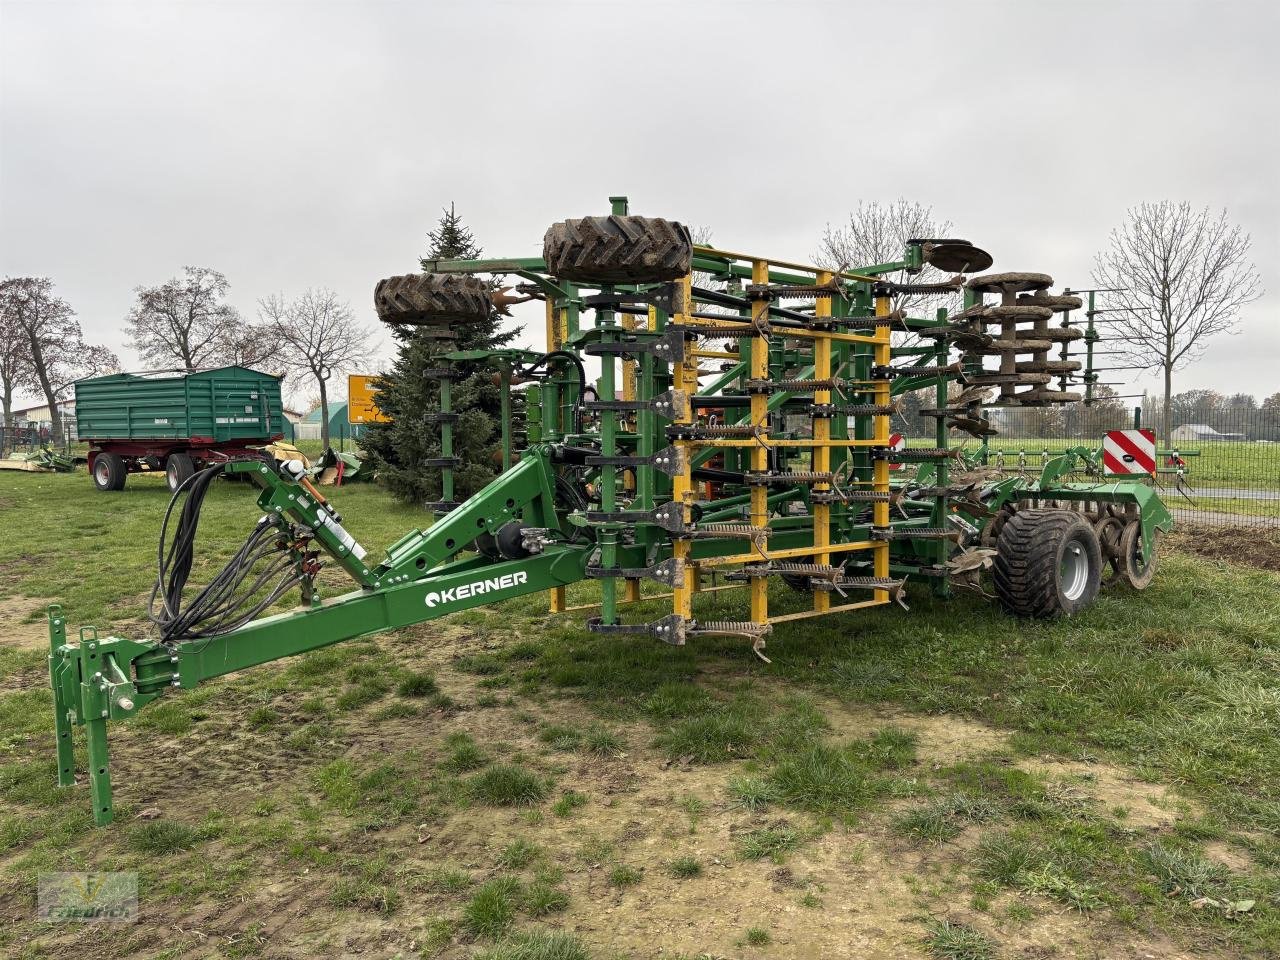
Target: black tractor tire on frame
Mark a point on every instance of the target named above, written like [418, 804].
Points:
[618, 249]
[432, 299]
[1048, 564]
[109, 472]
[177, 468]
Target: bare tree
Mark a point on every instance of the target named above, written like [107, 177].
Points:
[15, 367]
[54, 350]
[877, 233]
[1182, 277]
[186, 322]
[316, 336]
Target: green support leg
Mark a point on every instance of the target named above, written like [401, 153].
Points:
[61, 722]
[93, 704]
[99, 770]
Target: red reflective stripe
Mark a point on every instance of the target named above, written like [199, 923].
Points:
[1144, 460]
[1113, 465]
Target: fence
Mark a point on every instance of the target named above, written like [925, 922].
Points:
[1224, 471]
[17, 439]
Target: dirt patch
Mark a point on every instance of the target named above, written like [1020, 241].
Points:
[17, 628]
[943, 739]
[1249, 546]
[1145, 806]
[1230, 856]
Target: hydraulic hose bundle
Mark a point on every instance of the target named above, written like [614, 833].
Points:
[237, 594]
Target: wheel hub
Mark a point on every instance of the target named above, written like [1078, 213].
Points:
[1073, 570]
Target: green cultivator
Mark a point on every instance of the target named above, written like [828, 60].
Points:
[738, 432]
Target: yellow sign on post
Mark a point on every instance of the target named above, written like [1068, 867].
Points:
[362, 406]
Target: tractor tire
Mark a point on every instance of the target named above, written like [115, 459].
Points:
[109, 472]
[1136, 570]
[177, 470]
[618, 249]
[432, 299]
[1048, 564]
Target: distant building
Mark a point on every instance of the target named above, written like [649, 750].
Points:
[39, 416]
[308, 427]
[1199, 433]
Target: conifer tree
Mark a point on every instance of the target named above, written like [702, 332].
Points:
[399, 448]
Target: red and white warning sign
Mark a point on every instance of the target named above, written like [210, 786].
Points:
[897, 442]
[1129, 451]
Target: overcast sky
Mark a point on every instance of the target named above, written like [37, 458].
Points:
[300, 144]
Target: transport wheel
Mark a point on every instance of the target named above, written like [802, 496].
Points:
[109, 471]
[427, 299]
[177, 469]
[618, 249]
[1048, 564]
[1137, 570]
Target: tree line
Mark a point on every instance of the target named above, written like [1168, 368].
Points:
[183, 324]
[1173, 278]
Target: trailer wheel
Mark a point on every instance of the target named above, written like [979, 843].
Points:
[431, 299]
[109, 472]
[1048, 564]
[177, 469]
[618, 249]
[1137, 570]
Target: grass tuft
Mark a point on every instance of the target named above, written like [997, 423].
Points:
[539, 945]
[570, 801]
[823, 779]
[624, 875]
[772, 842]
[602, 742]
[757, 937]
[507, 785]
[418, 685]
[943, 818]
[685, 868]
[464, 754]
[955, 941]
[163, 836]
[1182, 872]
[542, 898]
[519, 853]
[492, 908]
[752, 793]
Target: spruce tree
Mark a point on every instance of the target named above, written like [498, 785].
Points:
[398, 449]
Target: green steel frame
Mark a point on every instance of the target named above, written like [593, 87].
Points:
[644, 508]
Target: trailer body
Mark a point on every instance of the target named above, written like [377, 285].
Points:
[175, 421]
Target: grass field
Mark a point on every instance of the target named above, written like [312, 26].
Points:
[1208, 464]
[943, 783]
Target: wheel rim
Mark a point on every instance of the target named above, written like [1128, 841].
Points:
[1073, 570]
[101, 472]
[172, 474]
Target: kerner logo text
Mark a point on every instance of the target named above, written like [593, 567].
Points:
[475, 588]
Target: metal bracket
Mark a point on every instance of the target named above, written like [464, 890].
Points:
[670, 629]
[669, 460]
[673, 405]
[662, 296]
[669, 572]
[668, 345]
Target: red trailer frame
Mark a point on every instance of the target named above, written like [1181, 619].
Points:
[110, 461]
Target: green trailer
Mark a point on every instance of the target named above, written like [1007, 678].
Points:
[175, 421]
